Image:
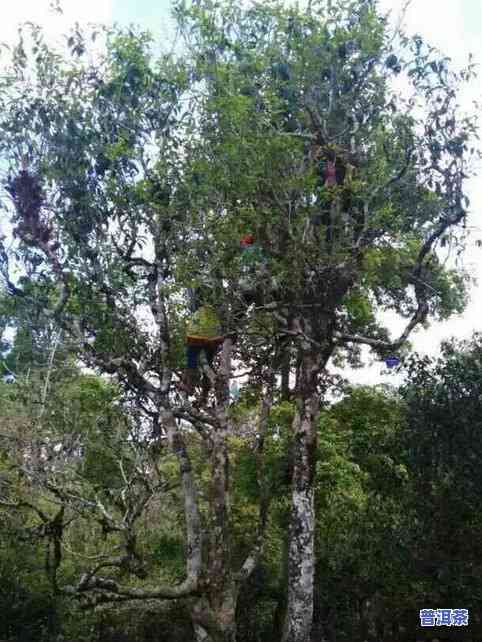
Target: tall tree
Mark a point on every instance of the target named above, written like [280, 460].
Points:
[103, 231]
[349, 186]
[133, 181]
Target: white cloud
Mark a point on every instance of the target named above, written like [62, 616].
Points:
[39, 12]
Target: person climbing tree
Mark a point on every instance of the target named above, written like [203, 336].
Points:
[330, 172]
[335, 170]
[203, 334]
[252, 263]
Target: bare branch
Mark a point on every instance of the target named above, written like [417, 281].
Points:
[185, 589]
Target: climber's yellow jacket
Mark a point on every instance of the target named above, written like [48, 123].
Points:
[204, 327]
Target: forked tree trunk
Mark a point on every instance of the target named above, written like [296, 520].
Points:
[215, 623]
[214, 614]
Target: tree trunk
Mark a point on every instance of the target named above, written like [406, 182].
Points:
[214, 614]
[215, 622]
[299, 615]
[364, 625]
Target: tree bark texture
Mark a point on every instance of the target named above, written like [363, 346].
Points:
[214, 614]
[299, 615]
[215, 622]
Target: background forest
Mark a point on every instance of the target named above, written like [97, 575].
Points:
[397, 490]
[195, 245]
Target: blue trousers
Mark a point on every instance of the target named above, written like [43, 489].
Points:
[193, 353]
